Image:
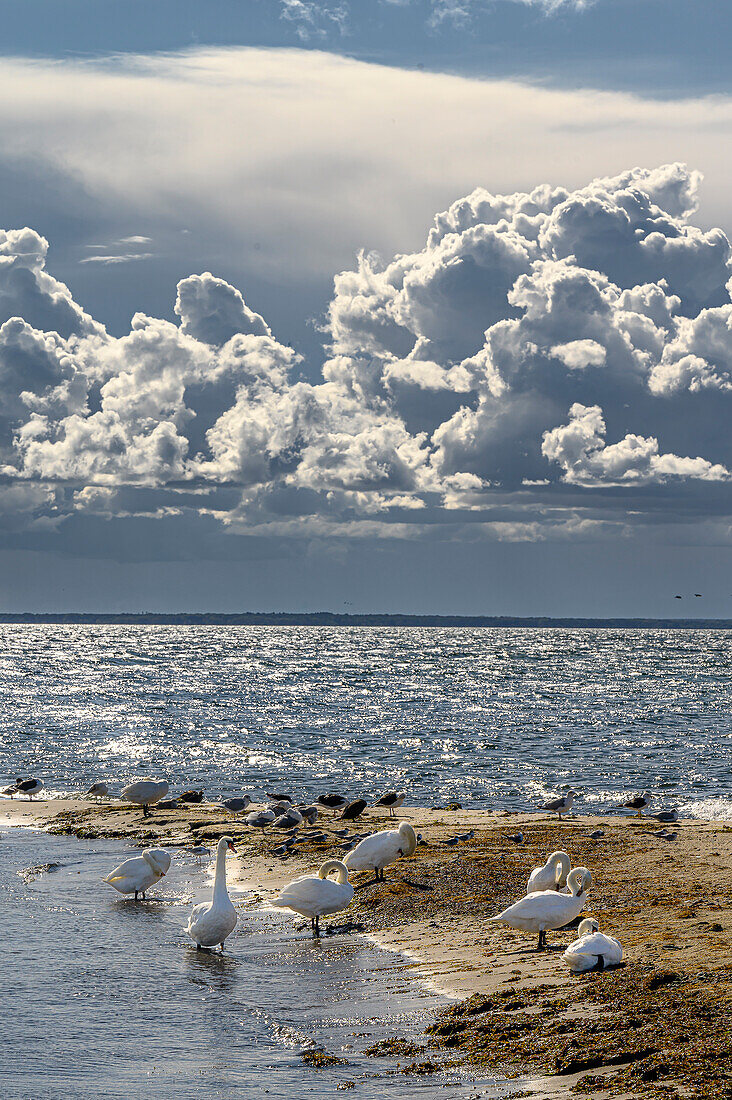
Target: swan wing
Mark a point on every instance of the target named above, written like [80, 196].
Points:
[584, 952]
[375, 851]
[209, 925]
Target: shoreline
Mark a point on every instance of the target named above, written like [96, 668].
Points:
[620, 1033]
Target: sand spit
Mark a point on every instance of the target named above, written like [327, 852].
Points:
[661, 1026]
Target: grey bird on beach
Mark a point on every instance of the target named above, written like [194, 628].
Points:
[392, 800]
[193, 797]
[668, 816]
[10, 791]
[168, 804]
[238, 805]
[517, 838]
[638, 802]
[260, 819]
[145, 792]
[309, 814]
[199, 851]
[290, 820]
[29, 786]
[560, 805]
[277, 796]
[98, 790]
[597, 834]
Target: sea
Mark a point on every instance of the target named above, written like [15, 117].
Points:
[104, 997]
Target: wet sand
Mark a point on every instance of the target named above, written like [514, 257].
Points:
[660, 1026]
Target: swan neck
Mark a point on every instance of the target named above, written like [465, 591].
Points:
[220, 877]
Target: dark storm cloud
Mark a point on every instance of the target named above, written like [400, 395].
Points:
[552, 364]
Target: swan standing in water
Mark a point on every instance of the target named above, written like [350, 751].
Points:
[546, 909]
[552, 876]
[376, 852]
[592, 950]
[315, 896]
[138, 874]
[211, 923]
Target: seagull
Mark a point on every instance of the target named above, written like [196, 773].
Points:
[29, 786]
[290, 820]
[238, 805]
[98, 790]
[168, 804]
[392, 800]
[332, 801]
[260, 819]
[698, 594]
[278, 797]
[517, 838]
[199, 851]
[638, 802]
[678, 597]
[10, 791]
[354, 809]
[597, 834]
[191, 796]
[309, 814]
[561, 805]
[667, 816]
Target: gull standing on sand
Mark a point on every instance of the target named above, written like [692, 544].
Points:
[378, 851]
[333, 802]
[561, 805]
[354, 809]
[138, 874]
[260, 819]
[592, 950]
[392, 800]
[98, 790]
[638, 802]
[552, 876]
[29, 786]
[310, 814]
[546, 910]
[145, 792]
[316, 896]
[210, 924]
[237, 805]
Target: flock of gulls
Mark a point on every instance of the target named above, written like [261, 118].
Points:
[555, 894]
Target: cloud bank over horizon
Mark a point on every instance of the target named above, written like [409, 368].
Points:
[552, 364]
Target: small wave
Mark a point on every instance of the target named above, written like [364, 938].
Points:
[708, 809]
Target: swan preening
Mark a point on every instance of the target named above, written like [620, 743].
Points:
[210, 923]
[545, 910]
[145, 792]
[376, 852]
[138, 874]
[552, 876]
[316, 896]
[592, 950]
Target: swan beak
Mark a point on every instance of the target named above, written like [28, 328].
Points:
[232, 848]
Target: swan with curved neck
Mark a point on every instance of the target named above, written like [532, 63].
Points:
[210, 923]
[376, 852]
[545, 910]
[592, 950]
[552, 876]
[315, 896]
[138, 874]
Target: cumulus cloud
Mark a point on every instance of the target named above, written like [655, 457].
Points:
[542, 355]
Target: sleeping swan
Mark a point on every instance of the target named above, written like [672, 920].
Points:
[378, 851]
[315, 895]
[138, 874]
[547, 909]
[211, 923]
[552, 876]
[592, 950]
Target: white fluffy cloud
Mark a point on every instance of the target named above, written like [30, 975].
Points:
[540, 343]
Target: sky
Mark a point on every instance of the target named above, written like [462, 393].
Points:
[397, 305]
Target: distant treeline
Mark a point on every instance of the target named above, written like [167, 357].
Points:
[328, 618]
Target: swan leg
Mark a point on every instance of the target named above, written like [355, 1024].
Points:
[136, 893]
[542, 941]
[145, 811]
[600, 965]
[316, 926]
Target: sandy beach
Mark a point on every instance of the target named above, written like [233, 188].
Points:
[659, 1026]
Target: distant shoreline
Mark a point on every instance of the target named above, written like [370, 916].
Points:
[327, 618]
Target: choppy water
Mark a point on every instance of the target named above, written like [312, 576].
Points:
[491, 717]
[104, 998]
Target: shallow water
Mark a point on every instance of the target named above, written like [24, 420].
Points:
[491, 717]
[104, 997]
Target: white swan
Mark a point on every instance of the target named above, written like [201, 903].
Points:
[316, 895]
[211, 923]
[547, 909]
[552, 876]
[144, 792]
[138, 874]
[592, 950]
[376, 852]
